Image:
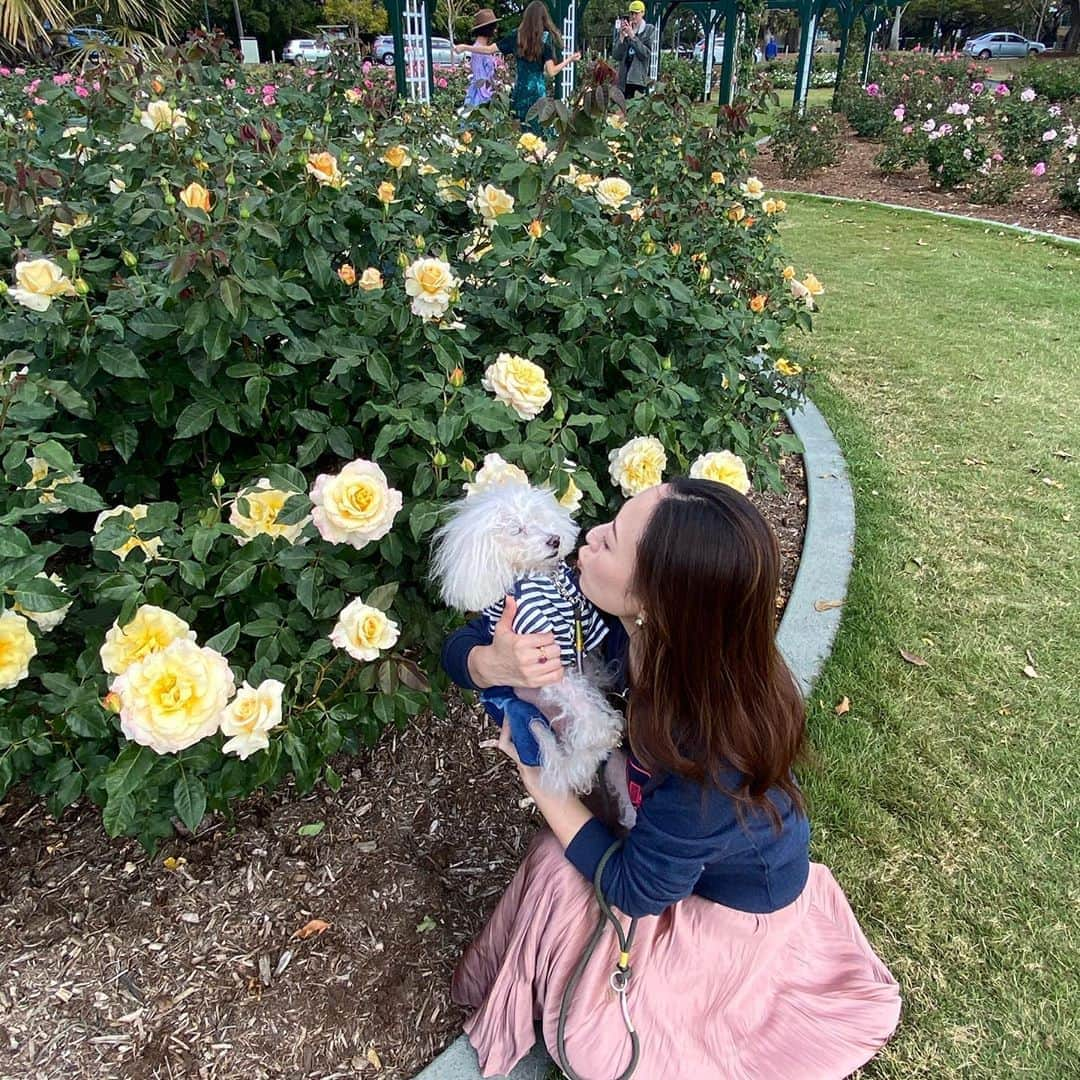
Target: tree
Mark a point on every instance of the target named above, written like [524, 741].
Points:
[451, 15]
[894, 34]
[364, 17]
[1072, 39]
[27, 25]
[273, 22]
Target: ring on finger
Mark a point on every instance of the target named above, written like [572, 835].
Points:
[543, 655]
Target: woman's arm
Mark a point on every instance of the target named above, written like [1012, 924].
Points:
[551, 68]
[484, 50]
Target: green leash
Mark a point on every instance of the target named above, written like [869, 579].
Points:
[620, 977]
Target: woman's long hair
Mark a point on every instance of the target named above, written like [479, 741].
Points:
[530, 35]
[710, 690]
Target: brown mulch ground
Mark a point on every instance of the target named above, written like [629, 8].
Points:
[856, 176]
[113, 964]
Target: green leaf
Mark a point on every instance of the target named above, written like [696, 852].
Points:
[125, 438]
[121, 362]
[305, 589]
[215, 340]
[56, 456]
[118, 815]
[235, 578]
[189, 799]
[202, 541]
[196, 418]
[79, 497]
[40, 594]
[311, 420]
[230, 296]
[313, 829]
[129, 770]
[153, 323]
[382, 596]
[225, 642]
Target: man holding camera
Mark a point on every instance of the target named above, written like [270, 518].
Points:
[634, 41]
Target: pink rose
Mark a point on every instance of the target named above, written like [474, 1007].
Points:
[82, 92]
[1040, 169]
[873, 89]
[977, 88]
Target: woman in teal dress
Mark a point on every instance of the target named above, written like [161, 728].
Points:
[533, 47]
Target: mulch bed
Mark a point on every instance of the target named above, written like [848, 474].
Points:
[115, 964]
[855, 176]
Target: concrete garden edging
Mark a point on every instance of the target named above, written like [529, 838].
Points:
[805, 638]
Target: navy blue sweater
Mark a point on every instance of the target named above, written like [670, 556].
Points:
[688, 838]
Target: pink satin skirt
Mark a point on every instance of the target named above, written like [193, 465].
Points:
[797, 994]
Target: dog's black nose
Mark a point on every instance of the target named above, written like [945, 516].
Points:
[553, 543]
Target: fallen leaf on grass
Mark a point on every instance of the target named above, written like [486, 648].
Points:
[373, 1057]
[844, 706]
[913, 658]
[974, 461]
[1063, 454]
[311, 928]
[1049, 481]
[1030, 672]
[827, 605]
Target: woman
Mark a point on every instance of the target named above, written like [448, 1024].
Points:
[483, 65]
[533, 46]
[748, 961]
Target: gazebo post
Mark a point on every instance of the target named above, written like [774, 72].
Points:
[394, 11]
[732, 17]
[845, 11]
[808, 20]
[870, 21]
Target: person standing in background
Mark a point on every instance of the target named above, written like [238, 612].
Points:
[483, 64]
[634, 42]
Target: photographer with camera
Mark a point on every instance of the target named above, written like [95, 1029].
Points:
[634, 42]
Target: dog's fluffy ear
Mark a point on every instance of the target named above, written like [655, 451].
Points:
[469, 565]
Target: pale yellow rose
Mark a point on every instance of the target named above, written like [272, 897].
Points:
[46, 621]
[535, 228]
[41, 482]
[786, 367]
[150, 630]
[385, 192]
[347, 274]
[371, 279]
[432, 287]
[617, 121]
[533, 145]
[324, 167]
[753, 188]
[264, 503]
[38, 282]
[249, 716]
[736, 213]
[17, 649]
[716, 176]
[571, 497]
[636, 212]
[354, 506]
[638, 465]
[427, 169]
[161, 116]
[812, 285]
[789, 273]
[723, 467]
[174, 697]
[364, 631]
[496, 471]
[116, 186]
[353, 97]
[397, 157]
[491, 202]
[518, 382]
[612, 192]
[196, 197]
[583, 181]
[64, 230]
[150, 547]
[448, 189]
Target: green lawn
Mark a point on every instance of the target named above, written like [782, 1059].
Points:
[946, 801]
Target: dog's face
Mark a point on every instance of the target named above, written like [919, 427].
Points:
[496, 536]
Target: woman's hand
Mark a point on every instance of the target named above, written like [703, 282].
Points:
[575, 57]
[530, 660]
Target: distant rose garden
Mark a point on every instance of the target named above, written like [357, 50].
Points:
[256, 337]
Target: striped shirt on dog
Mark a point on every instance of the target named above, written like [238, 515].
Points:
[542, 608]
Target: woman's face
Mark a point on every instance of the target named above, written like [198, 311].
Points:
[606, 559]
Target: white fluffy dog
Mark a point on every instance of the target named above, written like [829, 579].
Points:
[513, 539]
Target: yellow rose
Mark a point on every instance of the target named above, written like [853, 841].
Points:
[385, 192]
[196, 197]
[38, 282]
[150, 630]
[150, 548]
[354, 506]
[249, 716]
[617, 121]
[532, 144]
[364, 631]
[571, 497]
[347, 273]
[736, 213]
[723, 467]
[753, 188]
[518, 382]
[63, 229]
[493, 472]
[17, 649]
[779, 206]
[371, 279]
[39, 481]
[491, 202]
[612, 192]
[716, 176]
[324, 167]
[264, 503]
[160, 116]
[676, 249]
[812, 285]
[174, 697]
[583, 181]
[535, 228]
[397, 157]
[432, 287]
[757, 303]
[46, 621]
[427, 169]
[789, 272]
[449, 189]
[638, 465]
[786, 367]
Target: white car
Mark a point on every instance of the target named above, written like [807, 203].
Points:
[305, 51]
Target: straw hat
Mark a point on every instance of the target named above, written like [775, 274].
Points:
[484, 17]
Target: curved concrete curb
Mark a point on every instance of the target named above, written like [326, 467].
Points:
[987, 222]
[805, 638]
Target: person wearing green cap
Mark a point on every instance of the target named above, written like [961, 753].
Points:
[634, 42]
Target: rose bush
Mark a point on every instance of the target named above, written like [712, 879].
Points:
[224, 452]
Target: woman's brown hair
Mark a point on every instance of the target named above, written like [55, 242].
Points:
[530, 35]
[710, 689]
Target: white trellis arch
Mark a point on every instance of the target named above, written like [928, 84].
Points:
[417, 51]
[569, 36]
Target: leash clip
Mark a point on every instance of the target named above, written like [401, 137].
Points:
[620, 980]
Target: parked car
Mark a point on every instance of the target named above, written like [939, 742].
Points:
[442, 52]
[305, 51]
[718, 50]
[1002, 44]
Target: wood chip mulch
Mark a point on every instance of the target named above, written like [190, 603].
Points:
[195, 963]
[855, 176]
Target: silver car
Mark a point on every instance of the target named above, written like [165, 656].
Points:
[442, 54]
[1002, 44]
